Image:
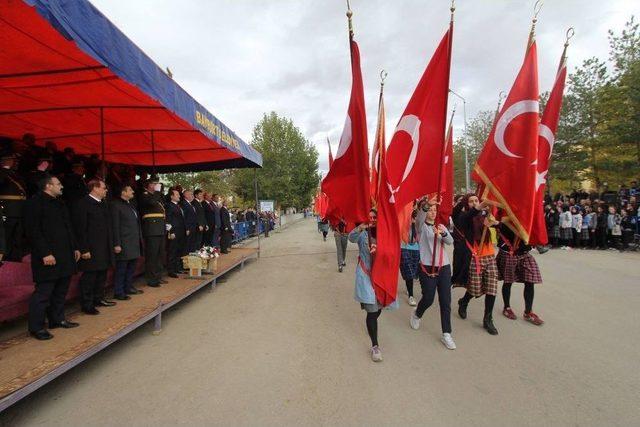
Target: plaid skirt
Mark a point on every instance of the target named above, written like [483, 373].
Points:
[483, 280]
[555, 232]
[584, 234]
[517, 268]
[566, 233]
[409, 263]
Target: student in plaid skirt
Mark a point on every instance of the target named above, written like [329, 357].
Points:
[410, 259]
[483, 272]
[516, 264]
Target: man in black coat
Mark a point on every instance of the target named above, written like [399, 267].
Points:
[13, 194]
[127, 243]
[154, 231]
[190, 220]
[92, 222]
[54, 255]
[226, 231]
[218, 220]
[198, 203]
[177, 234]
[209, 215]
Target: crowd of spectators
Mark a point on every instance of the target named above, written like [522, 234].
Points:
[591, 220]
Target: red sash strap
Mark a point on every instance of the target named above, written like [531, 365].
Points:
[474, 252]
[364, 267]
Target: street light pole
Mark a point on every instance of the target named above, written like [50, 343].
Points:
[466, 147]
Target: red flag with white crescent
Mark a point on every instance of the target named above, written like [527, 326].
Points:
[347, 183]
[414, 154]
[546, 139]
[507, 164]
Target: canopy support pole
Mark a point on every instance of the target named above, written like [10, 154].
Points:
[153, 152]
[102, 133]
[258, 219]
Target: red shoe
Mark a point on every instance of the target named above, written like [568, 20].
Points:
[533, 318]
[509, 314]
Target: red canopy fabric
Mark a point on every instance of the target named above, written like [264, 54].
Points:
[58, 91]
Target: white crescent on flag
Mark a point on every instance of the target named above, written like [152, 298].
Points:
[520, 107]
[411, 125]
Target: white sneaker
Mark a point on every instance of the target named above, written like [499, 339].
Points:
[447, 340]
[414, 321]
[412, 302]
[376, 354]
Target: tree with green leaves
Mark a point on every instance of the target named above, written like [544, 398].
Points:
[289, 173]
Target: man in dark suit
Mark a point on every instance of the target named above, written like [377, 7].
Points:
[177, 233]
[226, 230]
[75, 187]
[190, 220]
[198, 203]
[92, 222]
[211, 220]
[54, 255]
[154, 230]
[218, 220]
[127, 243]
[13, 194]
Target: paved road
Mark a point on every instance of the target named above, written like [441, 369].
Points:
[283, 343]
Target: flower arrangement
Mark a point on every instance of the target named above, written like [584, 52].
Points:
[209, 252]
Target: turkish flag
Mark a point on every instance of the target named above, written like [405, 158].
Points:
[414, 154]
[379, 151]
[347, 183]
[446, 188]
[384, 274]
[546, 139]
[507, 164]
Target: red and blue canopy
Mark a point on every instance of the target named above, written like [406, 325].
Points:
[68, 75]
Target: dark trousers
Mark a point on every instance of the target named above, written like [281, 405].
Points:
[14, 239]
[123, 276]
[153, 250]
[92, 288]
[216, 238]
[429, 285]
[175, 252]
[225, 240]
[601, 237]
[48, 301]
[207, 238]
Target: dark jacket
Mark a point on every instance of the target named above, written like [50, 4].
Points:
[75, 188]
[200, 215]
[175, 217]
[126, 230]
[49, 231]
[152, 214]
[13, 186]
[225, 219]
[92, 222]
[217, 217]
[190, 216]
[209, 215]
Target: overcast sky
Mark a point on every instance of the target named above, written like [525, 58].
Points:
[242, 58]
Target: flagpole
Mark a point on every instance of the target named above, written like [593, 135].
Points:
[378, 149]
[349, 15]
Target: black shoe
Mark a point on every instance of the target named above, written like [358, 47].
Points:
[487, 323]
[91, 311]
[462, 308]
[224, 252]
[122, 297]
[64, 324]
[173, 275]
[340, 269]
[104, 303]
[164, 282]
[42, 335]
[134, 291]
[153, 285]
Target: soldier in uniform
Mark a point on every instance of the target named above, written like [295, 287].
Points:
[154, 231]
[12, 197]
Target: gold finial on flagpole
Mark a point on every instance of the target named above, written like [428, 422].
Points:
[568, 36]
[452, 8]
[349, 15]
[536, 10]
[383, 77]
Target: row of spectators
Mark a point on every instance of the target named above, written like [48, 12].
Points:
[606, 220]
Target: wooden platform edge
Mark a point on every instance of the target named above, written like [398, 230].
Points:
[13, 396]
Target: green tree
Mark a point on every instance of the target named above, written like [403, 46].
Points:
[218, 182]
[289, 174]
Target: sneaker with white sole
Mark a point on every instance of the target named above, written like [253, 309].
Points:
[412, 302]
[414, 321]
[447, 340]
[376, 354]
